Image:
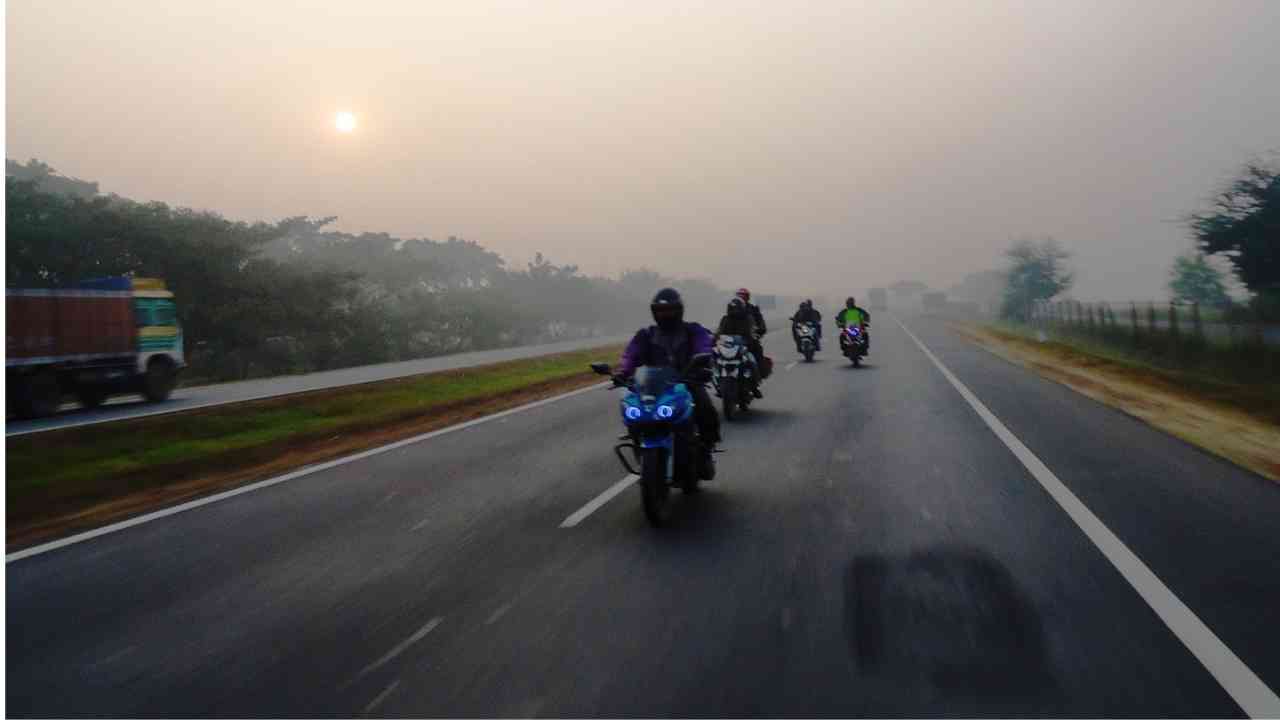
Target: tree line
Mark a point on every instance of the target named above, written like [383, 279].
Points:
[1237, 253]
[258, 299]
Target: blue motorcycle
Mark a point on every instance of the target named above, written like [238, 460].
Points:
[657, 411]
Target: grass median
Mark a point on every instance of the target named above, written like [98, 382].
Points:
[62, 481]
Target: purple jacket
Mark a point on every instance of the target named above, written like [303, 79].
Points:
[650, 347]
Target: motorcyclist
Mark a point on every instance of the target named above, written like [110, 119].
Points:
[807, 314]
[753, 310]
[854, 314]
[672, 342]
[737, 320]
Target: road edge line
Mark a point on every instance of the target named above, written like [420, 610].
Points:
[1237, 679]
[301, 472]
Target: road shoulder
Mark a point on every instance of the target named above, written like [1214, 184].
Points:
[1215, 422]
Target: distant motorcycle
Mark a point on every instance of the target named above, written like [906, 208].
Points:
[736, 374]
[807, 334]
[853, 343]
[661, 436]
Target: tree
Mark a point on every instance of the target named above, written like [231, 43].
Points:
[1195, 280]
[1244, 224]
[48, 180]
[1037, 272]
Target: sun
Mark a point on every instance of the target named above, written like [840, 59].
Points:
[345, 121]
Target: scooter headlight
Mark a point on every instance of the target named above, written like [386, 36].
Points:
[666, 411]
[632, 413]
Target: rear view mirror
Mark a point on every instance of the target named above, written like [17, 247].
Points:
[601, 368]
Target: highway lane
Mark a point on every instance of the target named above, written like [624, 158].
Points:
[132, 406]
[870, 548]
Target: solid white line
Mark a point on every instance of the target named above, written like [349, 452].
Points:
[141, 519]
[391, 655]
[793, 365]
[1242, 684]
[420, 525]
[373, 704]
[600, 500]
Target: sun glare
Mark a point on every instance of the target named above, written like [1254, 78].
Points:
[345, 122]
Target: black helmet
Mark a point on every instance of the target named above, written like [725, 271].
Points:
[849, 303]
[667, 308]
[808, 303]
[736, 307]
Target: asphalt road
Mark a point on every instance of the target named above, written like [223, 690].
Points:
[870, 547]
[130, 406]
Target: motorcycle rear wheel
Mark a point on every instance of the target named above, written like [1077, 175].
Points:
[653, 486]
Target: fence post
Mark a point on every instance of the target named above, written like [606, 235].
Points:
[1133, 319]
[1151, 317]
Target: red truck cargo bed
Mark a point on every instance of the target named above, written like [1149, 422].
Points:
[46, 326]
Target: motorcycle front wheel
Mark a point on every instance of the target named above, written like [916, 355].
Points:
[653, 486]
[808, 354]
[729, 396]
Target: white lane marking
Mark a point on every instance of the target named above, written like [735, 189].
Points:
[388, 498]
[1242, 684]
[497, 614]
[386, 693]
[391, 655]
[141, 519]
[791, 365]
[599, 500]
[420, 525]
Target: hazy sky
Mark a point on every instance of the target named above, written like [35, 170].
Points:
[798, 147]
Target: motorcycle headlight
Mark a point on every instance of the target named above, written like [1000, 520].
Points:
[666, 411]
[632, 413]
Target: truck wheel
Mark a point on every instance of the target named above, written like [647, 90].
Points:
[158, 383]
[91, 396]
[40, 395]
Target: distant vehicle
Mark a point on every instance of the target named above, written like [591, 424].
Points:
[105, 337]
[766, 302]
[879, 299]
[853, 344]
[807, 333]
[934, 301]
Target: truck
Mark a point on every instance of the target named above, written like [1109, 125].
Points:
[934, 301]
[878, 298]
[103, 337]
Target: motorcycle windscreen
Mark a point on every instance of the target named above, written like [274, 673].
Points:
[653, 380]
